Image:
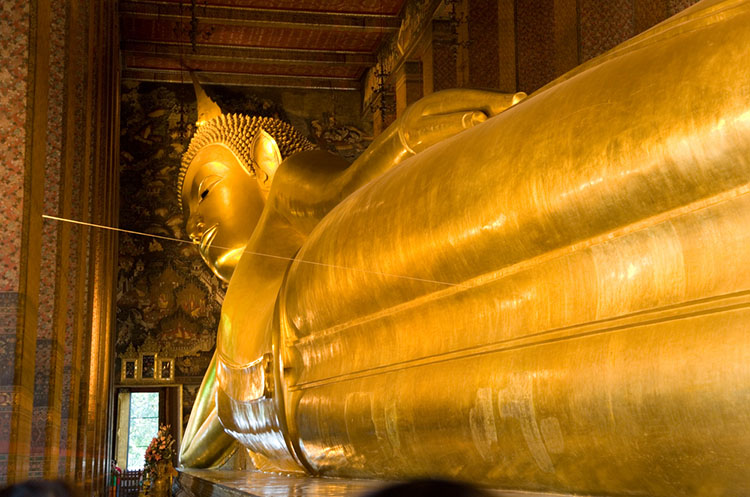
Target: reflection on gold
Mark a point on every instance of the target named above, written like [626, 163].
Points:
[592, 336]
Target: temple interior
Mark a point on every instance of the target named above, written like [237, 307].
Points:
[109, 315]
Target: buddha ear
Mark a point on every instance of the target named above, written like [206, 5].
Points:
[267, 157]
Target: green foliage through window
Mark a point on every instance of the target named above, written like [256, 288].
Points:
[144, 425]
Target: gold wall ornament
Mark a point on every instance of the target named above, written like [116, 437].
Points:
[556, 299]
[147, 365]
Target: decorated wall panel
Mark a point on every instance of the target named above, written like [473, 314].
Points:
[546, 41]
[535, 27]
[14, 29]
[46, 97]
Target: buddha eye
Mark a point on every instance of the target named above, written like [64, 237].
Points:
[207, 184]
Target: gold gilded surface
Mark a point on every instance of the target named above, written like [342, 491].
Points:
[233, 483]
[555, 299]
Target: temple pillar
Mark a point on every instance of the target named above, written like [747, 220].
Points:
[506, 45]
[78, 161]
[483, 43]
[440, 58]
[55, 259]
[409, 86]
[383, 112]
[546, 41]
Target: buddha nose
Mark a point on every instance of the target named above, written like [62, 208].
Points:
[195, 227]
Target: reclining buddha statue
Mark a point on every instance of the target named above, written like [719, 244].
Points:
[548, 293]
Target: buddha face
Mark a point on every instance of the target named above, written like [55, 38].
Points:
[223, 202]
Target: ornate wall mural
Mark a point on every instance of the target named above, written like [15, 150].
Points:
[164, 291]
[168, 301]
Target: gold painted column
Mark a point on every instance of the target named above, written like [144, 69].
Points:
[55, 256]
[77, 160]
[98, 413]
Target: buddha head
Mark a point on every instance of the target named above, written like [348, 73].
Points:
[225, 177]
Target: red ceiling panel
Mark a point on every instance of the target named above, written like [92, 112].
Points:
[310, 39]
[384, 7]
[321, 41]
[239, 67]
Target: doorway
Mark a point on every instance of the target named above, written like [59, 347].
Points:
[140, 412]
[143, 424]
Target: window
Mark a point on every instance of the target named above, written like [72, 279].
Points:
[143, 425]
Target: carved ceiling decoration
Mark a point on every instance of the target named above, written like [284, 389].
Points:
[274, 43]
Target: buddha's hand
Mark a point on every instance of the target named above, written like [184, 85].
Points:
[204, 443]
[442, 114]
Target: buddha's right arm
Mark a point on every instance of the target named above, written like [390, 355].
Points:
[204, 443]
[428, 121]
[309, 184]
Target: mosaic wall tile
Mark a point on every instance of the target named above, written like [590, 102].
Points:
[603, 25]
[72, 303]
[36, 466]
[65, 411]
[4, 449]
[443, 67]
[14, 28]
[7, 356]
[675, 6]
[484, 62]
[443, 57]
[648, 13]
[47, 279]
[507, 45]
[8, 327]
[535, 43]
[52, 171]
[42, 371]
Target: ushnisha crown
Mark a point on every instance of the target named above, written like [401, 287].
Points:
[236, 132]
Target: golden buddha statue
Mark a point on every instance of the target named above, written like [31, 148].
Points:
[554, 299]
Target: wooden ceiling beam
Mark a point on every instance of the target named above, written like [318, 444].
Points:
[236, 79]
[183, 51]
[252, 17]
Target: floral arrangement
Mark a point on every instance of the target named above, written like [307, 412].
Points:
[159, 450]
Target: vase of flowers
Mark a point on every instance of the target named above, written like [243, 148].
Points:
[158, 470]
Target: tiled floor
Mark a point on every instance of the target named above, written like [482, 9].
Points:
[223, 483]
